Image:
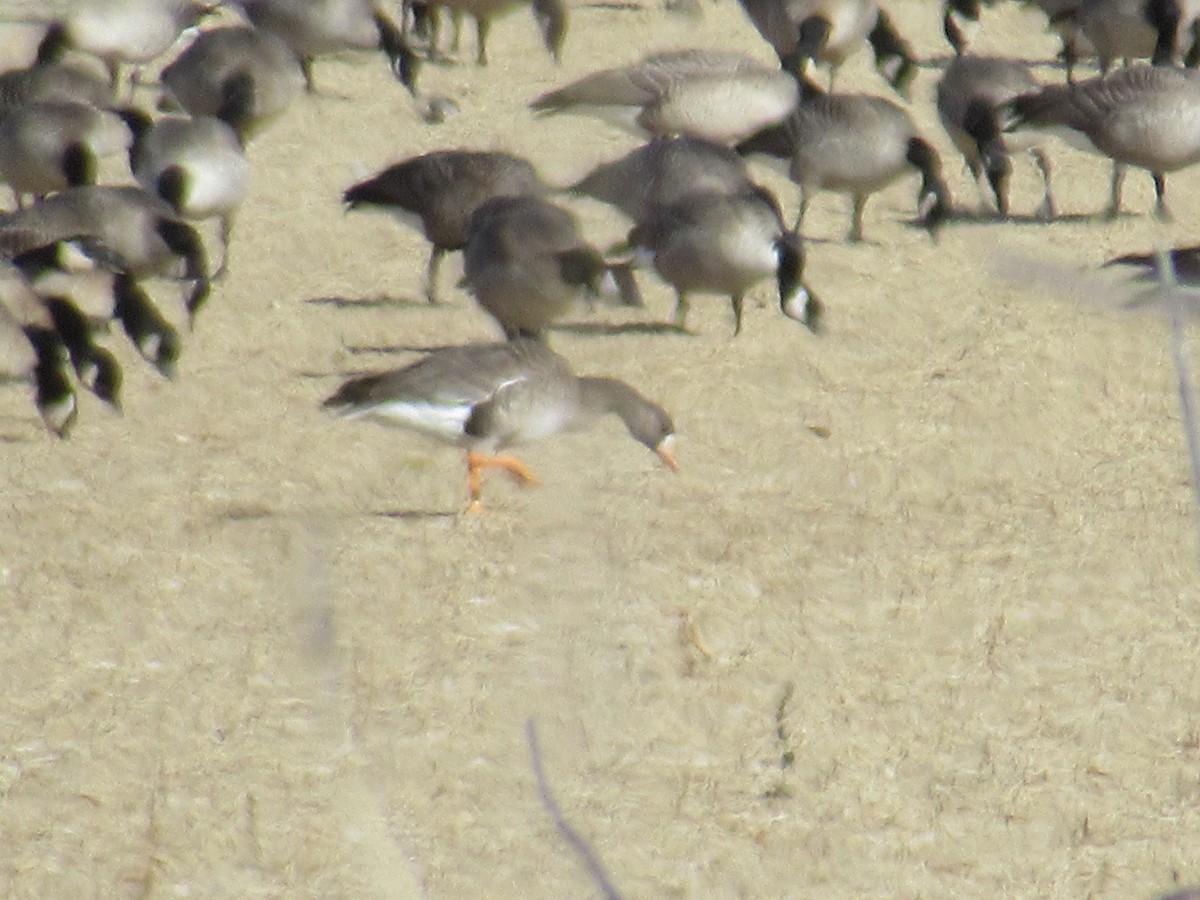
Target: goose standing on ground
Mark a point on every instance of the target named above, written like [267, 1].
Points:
[551, 17]
[526, 263]
[196, 164]
[50, 146]
[663, 171]
[443, 189]
[970, 95]
[854, 144]
[223, 64]
[720, 95]
[314, 28]
[1142, 116]
[717, 243]
[1062, 16]
[121, 32]
[138, 228]
[829, 31]
[487, 397]
[45, 81]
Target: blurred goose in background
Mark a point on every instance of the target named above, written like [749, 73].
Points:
[138, 228]
[853, 144]
[50, 146]
[551, 17]
[720, 95]
[486, 397]
[315, 28]
[1143, 116]
[830, 31]
[526, 263]
[235, 66]
[719, 243]
[196, 164]
[662, 172]
[44, 81]
[121, 32]
[970, 95]
[442, 190]
[959, 17]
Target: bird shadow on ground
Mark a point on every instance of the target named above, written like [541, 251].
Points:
[991, 217]
[413, 515]
[595, 329]
[253, 512]
[376, 302]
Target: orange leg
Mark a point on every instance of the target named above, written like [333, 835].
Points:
[477, 462]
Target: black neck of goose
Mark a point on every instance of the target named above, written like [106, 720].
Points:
[552, 18]
[1163, 16]
[237, 103]
[934, 197]
[893, 57]
[955, 11]
[402, 61]
[139, 124]
[648, 423]
[53, 45]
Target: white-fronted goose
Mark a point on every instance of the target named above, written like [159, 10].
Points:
[663, 171]
[197, 164]
[1142, 116]
[487, 397]
[970, 95]
[314, 28]
[715, 243]
[551, 17]
[854, 144]
[235, 64]
[121, 32]
[526, 263]
[829, 31]
[139, 229]
[442, 190]
[50, 146]
[720, 95]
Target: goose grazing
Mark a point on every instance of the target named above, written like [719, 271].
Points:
[663, 171]
[314, 28]
[830, 31]
[487, 397]
[550, 15]
[719, 95]
[1142, 116]
[139, 229]
[526, 263]
[970, 96]
[235, 66]
[442, 190]
[854, 144]
[196, 164]
[121, 32]
[717, 243]
[52, 145]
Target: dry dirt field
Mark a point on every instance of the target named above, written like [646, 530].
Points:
[918, 618]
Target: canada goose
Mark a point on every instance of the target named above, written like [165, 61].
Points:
[51, 82]
[315, 28]
[526, 263]
[970, 94]
[196, 164]
[1143, 116]
[32, 350]
[829, 31]
[119, 32]
[854, 144]
[443, 189]
[551, 16]
[50, 146]
[662, 172]
[1061, 16]
[725, 244]
[486, 397]
[138, 228]
[238, 66]
[721, 95]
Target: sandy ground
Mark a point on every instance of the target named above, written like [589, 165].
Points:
[918, 618]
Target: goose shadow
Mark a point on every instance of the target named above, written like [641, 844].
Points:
[596, 329]
[377, 302]
[991, 217]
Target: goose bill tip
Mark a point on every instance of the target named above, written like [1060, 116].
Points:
[666, 452]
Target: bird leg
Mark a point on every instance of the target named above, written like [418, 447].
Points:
[1046, 211]
[431, 274]
[739, 302]
[477, 462]
[681, 311]
[1160, 195]
[1118, 180]
[856, 219]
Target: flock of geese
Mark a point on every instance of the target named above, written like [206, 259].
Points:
[75, 254]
